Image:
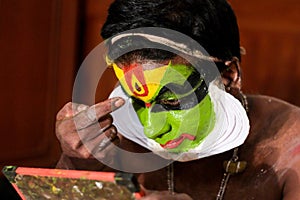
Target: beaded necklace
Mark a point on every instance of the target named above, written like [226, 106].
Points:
[231, 167]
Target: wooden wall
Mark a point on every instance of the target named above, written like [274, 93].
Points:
[38, 50]
[39, 54]
[94, 18]
[270, 32]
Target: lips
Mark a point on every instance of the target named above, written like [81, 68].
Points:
[176, 142]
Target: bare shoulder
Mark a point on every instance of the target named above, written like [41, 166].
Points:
[274, 113]
[275, 122]
[275, 126]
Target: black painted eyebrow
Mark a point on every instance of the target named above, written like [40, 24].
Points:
[191, 93]
[185, 102]
[191, 82]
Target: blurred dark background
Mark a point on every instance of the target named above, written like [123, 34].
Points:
[43, 43]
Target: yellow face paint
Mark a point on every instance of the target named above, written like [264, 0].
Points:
[140, 83]
[177, 127]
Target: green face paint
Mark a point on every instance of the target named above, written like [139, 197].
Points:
[181, 114]
[178, 130]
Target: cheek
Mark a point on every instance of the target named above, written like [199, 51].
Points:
[195, 121]
[158, 123]
[154, 124]
[185, 121]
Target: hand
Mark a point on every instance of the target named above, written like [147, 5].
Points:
[84, 132]
[163, 195]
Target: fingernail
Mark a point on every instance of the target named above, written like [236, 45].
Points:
[119, 102]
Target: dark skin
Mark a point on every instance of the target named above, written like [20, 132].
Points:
[272, 152]
[272, 157]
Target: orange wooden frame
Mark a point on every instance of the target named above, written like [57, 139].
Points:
[62, 173]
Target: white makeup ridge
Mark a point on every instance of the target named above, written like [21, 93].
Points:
[231, 127]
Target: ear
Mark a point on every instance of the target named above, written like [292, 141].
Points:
[231, 76]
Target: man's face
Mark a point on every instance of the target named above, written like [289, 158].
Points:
[171, 101]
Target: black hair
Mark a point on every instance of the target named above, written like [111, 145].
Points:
[212, 23]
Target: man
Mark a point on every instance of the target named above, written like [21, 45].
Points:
[175, 103]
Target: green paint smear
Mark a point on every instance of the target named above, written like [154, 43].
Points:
[168, 125]
[44, 187]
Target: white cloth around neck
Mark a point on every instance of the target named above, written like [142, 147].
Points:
[231, 127]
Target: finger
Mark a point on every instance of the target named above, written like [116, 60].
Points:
[96, 129]
[75, 147]
[65, 123]
[97, 139]
[110, 135]
[103, 143]
[105, 122]
[78, 147]
[64, 118]
[89, 115]
[90, 133]
[83, 152]
[69, 110]
[107, 154]
[97, 111]
[72, 139]
[71, 145]
[98, 147]
[101, 109]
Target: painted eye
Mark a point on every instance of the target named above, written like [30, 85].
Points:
[170, 102]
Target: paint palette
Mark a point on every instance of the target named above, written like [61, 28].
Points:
[40, 183]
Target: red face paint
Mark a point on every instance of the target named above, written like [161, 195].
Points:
[135, 79]
[148, 105]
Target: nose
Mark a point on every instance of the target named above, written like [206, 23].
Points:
[155, 123]
[157, 131]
